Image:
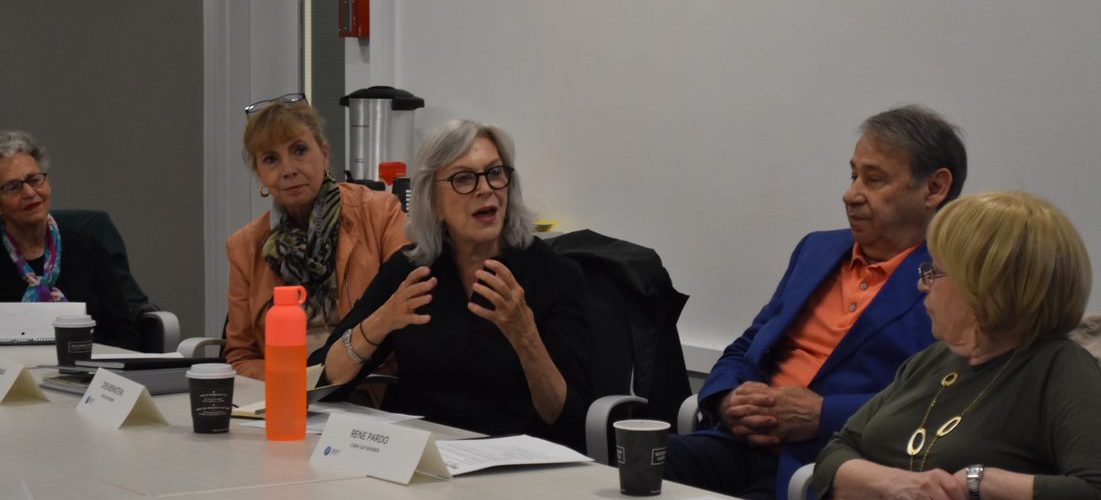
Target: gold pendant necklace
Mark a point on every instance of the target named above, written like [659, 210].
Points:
[918, 438]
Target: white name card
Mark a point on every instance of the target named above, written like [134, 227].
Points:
[17, 384]
[365, 447]
[117, 401]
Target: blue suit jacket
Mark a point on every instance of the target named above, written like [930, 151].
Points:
[891, 329]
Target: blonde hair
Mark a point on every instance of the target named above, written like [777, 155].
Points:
[279, 123]
[1018, 261]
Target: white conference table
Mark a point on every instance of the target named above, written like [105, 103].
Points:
[54, 452]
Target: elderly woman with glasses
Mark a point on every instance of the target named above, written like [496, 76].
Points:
[327, 236]
[1004, 405]
[483, 318]
[47, 263]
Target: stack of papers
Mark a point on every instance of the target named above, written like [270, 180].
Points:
[470, 455]
[318, 415]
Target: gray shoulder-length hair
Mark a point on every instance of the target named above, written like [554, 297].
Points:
[446, 145]
[13, 142]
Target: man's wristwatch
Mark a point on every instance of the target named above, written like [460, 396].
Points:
[974, 480]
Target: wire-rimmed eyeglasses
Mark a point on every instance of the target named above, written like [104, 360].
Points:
[466, 181]
[928, 273]
[283, 99]
[13, 187]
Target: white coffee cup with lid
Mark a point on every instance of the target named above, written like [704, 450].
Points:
[211, 387]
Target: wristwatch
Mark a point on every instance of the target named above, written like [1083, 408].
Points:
[974, 479]
[346, 339]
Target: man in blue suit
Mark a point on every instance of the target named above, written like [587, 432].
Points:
[845, 315]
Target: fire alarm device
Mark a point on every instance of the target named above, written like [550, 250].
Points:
[355, 18]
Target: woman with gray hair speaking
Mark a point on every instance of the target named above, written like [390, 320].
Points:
[484, 319]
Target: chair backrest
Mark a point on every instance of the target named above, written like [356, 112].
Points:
[633, 311]
[98, 225]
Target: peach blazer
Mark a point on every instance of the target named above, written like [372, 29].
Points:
[371, 230]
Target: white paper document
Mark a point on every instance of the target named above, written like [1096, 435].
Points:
[470, 455]
[319, 413]
[136, 355]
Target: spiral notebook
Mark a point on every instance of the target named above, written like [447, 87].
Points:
[32, 322]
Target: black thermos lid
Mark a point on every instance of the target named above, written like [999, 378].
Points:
[401, 100]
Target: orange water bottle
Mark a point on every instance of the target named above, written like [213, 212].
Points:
[285, 365]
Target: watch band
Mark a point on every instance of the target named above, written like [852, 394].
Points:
[974, 481]
[346, 339]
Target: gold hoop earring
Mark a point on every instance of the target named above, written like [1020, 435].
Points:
[264, 192]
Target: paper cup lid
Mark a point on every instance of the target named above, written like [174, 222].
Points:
[641, 425]
[211, 371]
[74, 321]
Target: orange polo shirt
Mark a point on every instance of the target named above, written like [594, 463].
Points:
[828, 316]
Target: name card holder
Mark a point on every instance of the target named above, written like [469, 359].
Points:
[365, 447]
[117, 401]
[17, 385]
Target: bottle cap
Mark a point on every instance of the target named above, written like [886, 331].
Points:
[289, 295]
[388, 170]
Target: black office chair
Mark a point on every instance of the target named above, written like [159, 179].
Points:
[637, 365]
[160, 330]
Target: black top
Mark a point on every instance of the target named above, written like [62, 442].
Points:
[459, 369]
[86, 276]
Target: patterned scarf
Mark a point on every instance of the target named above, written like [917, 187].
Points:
[39, 288]
[307, 257]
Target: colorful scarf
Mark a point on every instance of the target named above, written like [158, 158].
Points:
[39, 288]
[307, 257]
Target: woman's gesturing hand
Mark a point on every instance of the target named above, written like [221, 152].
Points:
[400, 310]
[510, 311]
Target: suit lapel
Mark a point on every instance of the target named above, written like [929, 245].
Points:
[898, 295]
[822, 259]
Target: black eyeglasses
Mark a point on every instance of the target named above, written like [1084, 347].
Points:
[283, 99]
[466, 182]
[929, 274]
[14, 187]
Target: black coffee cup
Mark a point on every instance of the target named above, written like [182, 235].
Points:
[211, 387]
[640, 453]
[73, 335]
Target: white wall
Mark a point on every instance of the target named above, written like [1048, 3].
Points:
[719, 132]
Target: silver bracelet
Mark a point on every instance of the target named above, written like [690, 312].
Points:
[347, 340]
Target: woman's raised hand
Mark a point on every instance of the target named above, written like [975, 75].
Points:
[400, 310]
[510, 311]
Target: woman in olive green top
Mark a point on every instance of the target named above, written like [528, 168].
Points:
[1004, 406]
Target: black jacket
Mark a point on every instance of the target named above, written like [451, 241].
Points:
[633, 310]
[86, 276]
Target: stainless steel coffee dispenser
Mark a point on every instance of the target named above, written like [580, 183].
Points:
[381, 120]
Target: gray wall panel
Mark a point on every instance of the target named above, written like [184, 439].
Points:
[113, 88]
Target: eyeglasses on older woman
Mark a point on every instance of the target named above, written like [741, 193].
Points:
[929, 273]
[466, 181]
